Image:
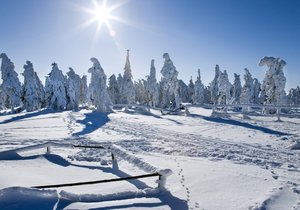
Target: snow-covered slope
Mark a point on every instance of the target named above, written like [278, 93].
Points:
[217, 163]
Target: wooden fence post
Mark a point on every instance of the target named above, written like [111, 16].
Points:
[48, 150]
[278, 114]
[114, 161]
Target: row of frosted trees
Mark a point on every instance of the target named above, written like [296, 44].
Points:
[71, 91]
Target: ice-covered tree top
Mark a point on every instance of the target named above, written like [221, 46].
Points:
[236, 76]
[7, 67]
[71, 73]
[28, 70]
[56, 74]
[127, 68]
[199, 75]
[28, 67]
[96, 70]
[248, 78]
[152, 63]
[272, 63]
[152, 76]
[169, 70]
[217, 70]
[96, 65]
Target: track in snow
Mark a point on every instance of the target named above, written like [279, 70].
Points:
[153, 139]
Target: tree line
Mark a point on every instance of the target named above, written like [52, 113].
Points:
[70, 91]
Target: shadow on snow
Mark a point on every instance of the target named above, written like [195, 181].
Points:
[241, 124]
[92, 122]
[29, 115]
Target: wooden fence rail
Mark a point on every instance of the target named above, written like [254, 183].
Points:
[89, 146]
[48, 145]
[99, 181]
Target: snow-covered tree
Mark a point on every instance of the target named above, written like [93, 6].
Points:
[198, 90]
[127, 86]
[84, 92]
[214, 86]
[113, 89]
[72, 89]
[183, 91]
[41, 90]
[141, 95]
[256, 91]
[11, 85]
[33, 91]
[55, 89]
[3, 99]
[248, 88]
[224, 88]
[152, 87]
[169, 84]
[98, 87]
[207, 95]
[273, 87]
[120, 80]
[294, 96]
[191, 87]
[237, 90]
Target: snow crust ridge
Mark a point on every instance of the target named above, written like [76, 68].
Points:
[148, 192]
[119, 151]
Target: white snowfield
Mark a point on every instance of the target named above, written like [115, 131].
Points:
[215, 163]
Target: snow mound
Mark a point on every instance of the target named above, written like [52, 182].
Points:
[27, 198]
[295, 146]
[283, 198]
[109, 197]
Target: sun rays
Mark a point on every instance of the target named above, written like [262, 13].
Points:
[101, 16]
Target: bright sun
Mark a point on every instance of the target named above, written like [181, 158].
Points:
[101, 14]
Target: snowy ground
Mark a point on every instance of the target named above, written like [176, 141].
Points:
[217, 163]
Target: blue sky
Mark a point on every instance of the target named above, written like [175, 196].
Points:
[234, 34]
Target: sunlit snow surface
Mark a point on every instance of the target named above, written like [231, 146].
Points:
[217, 163]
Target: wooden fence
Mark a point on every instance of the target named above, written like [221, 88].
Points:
[48, 146]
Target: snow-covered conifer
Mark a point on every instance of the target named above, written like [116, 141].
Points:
[141, 95]
[169, 84]
[237, 90]
[207, 95]
[214, 86]
[198, 90]
[72, 89]
[127, 86]
[224, 88]
[191, 88]
[55, 89]
[98, 87]
[294, 96]
[248, 88]
[3, 99]
[120, 80]
[113, 90]
[183, 91]
[33, 91]
[41, 90]
[84, 92]
[11, 85]
[273, 87]
[256, 91]
[152, 87]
